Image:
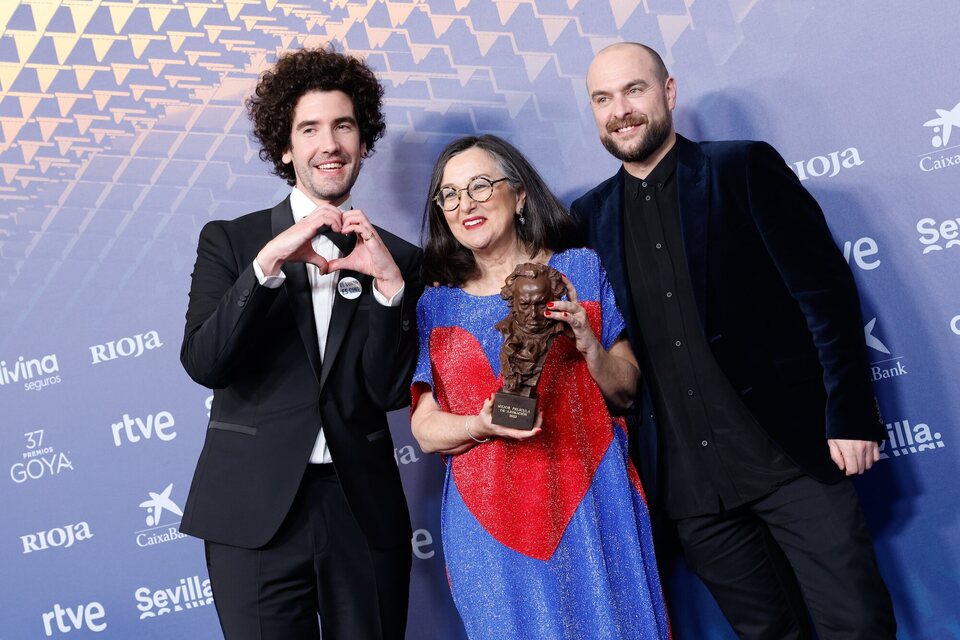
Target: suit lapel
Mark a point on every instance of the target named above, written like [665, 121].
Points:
[340, 319]
[609, 239]
[693, 182]
[297, 289]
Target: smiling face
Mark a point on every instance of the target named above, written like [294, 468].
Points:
[325, 146]
[631, 104]
[481, 227]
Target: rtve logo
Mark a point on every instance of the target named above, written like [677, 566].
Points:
[942, 127]
[67, 619]
[125, 347]
[135, 429]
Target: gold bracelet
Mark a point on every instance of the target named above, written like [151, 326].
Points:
[473, 437]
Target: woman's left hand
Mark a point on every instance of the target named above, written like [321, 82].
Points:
[573, 313]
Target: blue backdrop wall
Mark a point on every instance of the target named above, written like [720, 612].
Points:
[123, 133]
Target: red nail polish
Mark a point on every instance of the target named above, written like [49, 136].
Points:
[547, 313]
[565, 314]
[549, 305]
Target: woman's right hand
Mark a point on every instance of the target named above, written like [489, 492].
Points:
[481, 426]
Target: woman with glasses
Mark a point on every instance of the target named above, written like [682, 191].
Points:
[545, 531]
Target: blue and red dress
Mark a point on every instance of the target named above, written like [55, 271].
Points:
[549, 537]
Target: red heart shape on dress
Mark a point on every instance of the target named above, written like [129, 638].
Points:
[525, 492]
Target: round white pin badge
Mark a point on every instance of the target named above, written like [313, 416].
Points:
[349, 288]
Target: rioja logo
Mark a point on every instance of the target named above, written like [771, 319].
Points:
[132, 346]
[64, 536]
[828, 165]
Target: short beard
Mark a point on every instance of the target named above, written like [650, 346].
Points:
[657, 133]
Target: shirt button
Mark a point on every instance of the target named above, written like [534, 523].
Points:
[646, 198]
[677, 343]
[643, 184]
[689, 392]
[703, 443]
[669, 294]
[659, 246]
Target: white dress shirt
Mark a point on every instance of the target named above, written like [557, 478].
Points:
[324, 288]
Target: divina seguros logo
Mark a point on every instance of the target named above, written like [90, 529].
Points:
[158, 532]
[34, 373]
[945, 157]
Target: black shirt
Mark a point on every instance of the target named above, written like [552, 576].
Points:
[714, 454]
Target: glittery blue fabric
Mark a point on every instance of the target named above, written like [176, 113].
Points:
[601, 580]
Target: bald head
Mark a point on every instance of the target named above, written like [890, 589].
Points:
[637, 49]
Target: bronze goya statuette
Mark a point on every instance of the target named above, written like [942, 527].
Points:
[527, 336]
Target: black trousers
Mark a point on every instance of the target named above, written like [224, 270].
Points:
[804, 533]
[317, 563]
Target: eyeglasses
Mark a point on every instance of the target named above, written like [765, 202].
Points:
[480, 189]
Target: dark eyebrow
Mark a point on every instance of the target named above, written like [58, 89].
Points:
[312, 123]
[632, 83]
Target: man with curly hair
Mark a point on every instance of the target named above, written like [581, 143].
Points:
[301, 318]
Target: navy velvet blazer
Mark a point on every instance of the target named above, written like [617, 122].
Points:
[777, 302]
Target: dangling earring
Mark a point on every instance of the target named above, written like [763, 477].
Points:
[520, 217]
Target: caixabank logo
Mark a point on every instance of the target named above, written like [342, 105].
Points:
[884, 365]
[186, 594]
[39, 459]
[33, 374]
[945, 156]
[160, 515]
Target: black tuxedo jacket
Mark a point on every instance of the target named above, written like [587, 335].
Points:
[257, 349]
[776, 300]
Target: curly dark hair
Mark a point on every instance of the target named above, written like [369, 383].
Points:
[548, 223]
[297, 73]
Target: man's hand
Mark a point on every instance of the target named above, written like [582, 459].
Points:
[370, 256]
[853, 456]
[295, 244]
